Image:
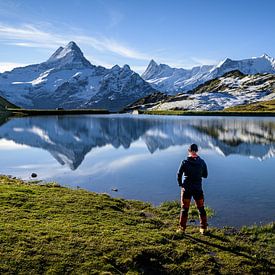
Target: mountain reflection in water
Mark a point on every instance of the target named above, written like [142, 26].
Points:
[70, 138]
[140, 155]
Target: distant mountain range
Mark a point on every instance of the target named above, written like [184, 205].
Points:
[68, 80]
[174, 80]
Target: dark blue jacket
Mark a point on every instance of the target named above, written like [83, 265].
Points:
[194, 169]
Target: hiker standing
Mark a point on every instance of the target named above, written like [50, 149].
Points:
[194, 169]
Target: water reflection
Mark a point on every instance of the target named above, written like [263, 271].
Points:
[70, 138]
[139, 156]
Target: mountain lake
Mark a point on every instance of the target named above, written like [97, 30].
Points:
[137, 157]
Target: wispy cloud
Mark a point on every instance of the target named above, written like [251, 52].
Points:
[44, 35]
[31, 36]
[8, 66]
[10, 145]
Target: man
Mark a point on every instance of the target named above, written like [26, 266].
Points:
[194, 169]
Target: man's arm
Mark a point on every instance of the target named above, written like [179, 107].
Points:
[180, 173]
[204, 170]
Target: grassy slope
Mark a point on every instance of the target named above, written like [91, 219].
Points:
[227, 112]
[262, 106]
[59, 230]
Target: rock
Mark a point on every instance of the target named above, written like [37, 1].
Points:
[114, 189]
[33, 175]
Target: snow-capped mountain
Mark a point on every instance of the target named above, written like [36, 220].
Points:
[232, 89]
[69, 139]
[174, 80]
[67, 79]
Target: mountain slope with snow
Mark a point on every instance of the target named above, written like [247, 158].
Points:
[67, 79]
[232, 89]
[174, 80]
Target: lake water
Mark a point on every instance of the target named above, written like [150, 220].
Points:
[140, 155]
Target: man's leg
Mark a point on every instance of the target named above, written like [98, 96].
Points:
[185, 203]
[199, 199]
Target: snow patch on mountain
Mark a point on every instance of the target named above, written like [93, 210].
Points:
[223, 92]
[175, 80]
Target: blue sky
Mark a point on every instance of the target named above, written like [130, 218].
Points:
[180, 33]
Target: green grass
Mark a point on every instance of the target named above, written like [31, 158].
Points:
[227, 112]
[262, 106]
[55, 230]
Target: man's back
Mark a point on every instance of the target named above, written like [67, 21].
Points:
[194, 168]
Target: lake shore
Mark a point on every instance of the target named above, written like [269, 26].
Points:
[210, 113]
[49, 228]
[47, 112]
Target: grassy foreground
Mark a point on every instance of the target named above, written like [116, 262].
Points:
[56, 230]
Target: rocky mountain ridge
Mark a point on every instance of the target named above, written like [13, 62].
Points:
[175, 80]
[68, 80]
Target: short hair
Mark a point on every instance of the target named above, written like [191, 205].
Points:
[193, 147]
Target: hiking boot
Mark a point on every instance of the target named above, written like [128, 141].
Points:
[181, 230]
[203, 231]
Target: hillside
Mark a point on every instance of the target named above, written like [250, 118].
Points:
[50, 229]
[262, 106]
[232, 89]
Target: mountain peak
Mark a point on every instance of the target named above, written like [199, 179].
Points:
[115, 68]
[70, 54]
[151, 70]
[265, 55]
[268, 58]
[153, 63]
[126, 67]
[72, 45]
